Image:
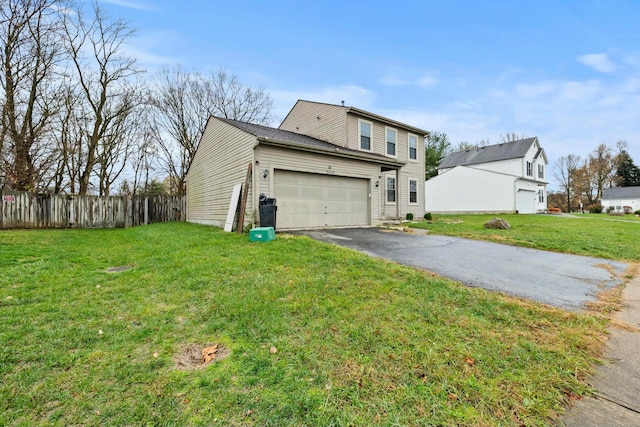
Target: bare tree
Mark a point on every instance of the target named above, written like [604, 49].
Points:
[512, 136]
[565, 173]
[103, 72]
[601, 166]
[183, 102]
[30, 50]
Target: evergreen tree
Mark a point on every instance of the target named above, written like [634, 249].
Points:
[628, 173]
[436, 147]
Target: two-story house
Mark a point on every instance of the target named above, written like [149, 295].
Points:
[326, 165]
[501, 178]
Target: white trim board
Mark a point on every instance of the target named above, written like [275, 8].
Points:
[233, 207]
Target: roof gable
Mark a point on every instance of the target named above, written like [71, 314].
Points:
[491, 153]
[364, 114]
[621, 193]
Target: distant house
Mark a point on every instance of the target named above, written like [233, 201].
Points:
[501, 178]
[326, 165]
[615, 199]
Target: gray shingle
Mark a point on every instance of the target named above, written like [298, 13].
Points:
[489, 153]
[621, 193]
[266, 132]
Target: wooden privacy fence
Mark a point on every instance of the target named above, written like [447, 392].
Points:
[30, 210]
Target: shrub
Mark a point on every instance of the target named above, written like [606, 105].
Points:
[609, 209]
[409, 216]
[637, 212]
[595, 208]
[428, 216]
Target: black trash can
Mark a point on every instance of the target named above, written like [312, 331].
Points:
[267, 207]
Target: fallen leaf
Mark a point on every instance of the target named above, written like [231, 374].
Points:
[469, 361]
[453, 396]
[100, 332]
[273, 350]
[155, 354]
[249, 412]
[209, 353]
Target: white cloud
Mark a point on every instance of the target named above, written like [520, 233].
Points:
[355, 96]
[598, 61]
[129, 4]
[424, 82]
[535, 90]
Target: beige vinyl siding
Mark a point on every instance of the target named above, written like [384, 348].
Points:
[278, 158]
[412, 169]
[323, 121]
[220, 163]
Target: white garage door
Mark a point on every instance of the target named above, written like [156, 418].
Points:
[307, 200]
[526, 201]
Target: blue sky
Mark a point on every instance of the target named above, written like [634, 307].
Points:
[567, 72]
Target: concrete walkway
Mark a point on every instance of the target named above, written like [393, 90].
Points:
[617, 380]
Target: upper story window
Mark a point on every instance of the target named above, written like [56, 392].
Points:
[413, 147]
[365, 130]
[529, 169]
[391, 138]
[540, 171]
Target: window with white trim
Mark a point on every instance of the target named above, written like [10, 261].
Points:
[541, 196]
[413, 191]
[365, 130]
[540, 171]
[413, 147]
[391, 189]
[391, 136]
[529, 169]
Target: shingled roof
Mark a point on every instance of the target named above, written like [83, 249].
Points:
[489, 153]
[297, 140]
[621, 193]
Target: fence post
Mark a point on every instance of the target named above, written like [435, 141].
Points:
[146, 210]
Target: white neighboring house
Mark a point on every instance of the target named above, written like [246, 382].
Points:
[617, 198]
[500, 178]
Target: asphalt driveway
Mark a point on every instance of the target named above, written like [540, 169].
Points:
[561, 280]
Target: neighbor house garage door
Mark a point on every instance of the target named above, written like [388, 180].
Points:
[308, 200]
[526, 201]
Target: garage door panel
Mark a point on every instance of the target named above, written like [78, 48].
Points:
[308, 200]
[526, 201]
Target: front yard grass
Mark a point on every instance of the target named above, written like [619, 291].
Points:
[318, 335]
[598, 235]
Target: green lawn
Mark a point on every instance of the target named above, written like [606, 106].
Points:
[313, 335]
[598, 235]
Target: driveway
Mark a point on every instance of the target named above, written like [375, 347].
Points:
[561, 280]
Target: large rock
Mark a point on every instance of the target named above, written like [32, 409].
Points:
[498, 223]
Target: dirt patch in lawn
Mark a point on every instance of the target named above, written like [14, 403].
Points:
[198, 356]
